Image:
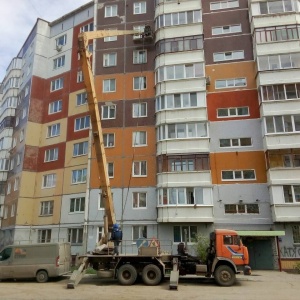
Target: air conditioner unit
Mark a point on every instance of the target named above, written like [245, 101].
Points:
[58, 48]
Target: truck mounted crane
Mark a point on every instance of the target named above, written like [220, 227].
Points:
[226, 253]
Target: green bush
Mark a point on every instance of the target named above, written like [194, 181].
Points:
[297, 267]
[200, 246]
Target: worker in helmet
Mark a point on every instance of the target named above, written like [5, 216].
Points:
[116, 237]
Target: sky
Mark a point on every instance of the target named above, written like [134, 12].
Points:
[19, 17]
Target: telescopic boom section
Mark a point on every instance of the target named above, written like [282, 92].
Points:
[83, 38]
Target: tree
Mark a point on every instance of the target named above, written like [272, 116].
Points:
[200, 246]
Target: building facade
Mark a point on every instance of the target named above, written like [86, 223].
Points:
[199, 122]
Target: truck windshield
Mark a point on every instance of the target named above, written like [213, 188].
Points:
[231, 240]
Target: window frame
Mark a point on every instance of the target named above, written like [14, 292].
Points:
[136, 136]
[51, 155]
[46, 208]
[139, 83]
[53, 130]
[111, 87]
[140, 167]
[139, 7]
[111, 11]
[78, 176]
[49, 181]
[47, 236]
[84, 148]
[77, 205]
[109, 59]
[82, 123]
[55, 107]
[136, 200]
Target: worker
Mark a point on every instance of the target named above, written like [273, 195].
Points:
[116, 237]
[210, 252]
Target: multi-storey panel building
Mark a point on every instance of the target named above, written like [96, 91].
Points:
[200, 126]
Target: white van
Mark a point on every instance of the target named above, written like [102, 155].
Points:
[40, 261]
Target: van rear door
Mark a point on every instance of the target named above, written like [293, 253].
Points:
[64, 258]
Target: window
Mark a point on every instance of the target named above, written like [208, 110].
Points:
[87, 27]
[57, 84]
[139, 232]
[139, 138]
[111, 38]
[80, 149]
[51, 155]
[24, 112]
[80, 76]
[100, 232]
[279, 6]
[139, 110]
[139, 56]
[5, 213]
[139, 83]
[140, 29]
[239, 142]
[178, 101]
[109, 140]
[109, 85]
[13, 210]
[81, 99]
[178, 18]
[296, 234]
[111, 11]
[8, 190]
[231, 55]
[59, 62]
[291, 160]
[78, 176]
[53, 130]
[17, 121]
[175, 72]
[44, 236]
[182, 130]
[109, 59]
[82, 123]
[16, 183]
[280, 92]
[139, 168]
[108, 112]
[238, 175]
[182, 233]
[49, 181]
[139, 200]
[12, 164]
[276, 62]
[226, 29]
[224, 4]
[77, 204]
[178, 44]
[233, 112]
[55, 107]
[21, 137]
[277, 33]
[282, 124]
[291, 193]
[110, 169]
[75, 235]
[241, 208]
[62, 40]
[229, 83]
[46, 208]
[139, 8]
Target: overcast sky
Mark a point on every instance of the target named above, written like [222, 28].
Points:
[19, 16]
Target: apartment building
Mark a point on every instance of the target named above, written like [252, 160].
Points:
[199, 122]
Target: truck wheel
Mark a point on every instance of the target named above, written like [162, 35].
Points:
[224, 276]
[127, 275]
[41, 276]
[151, 275]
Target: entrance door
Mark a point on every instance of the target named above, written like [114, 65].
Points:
[260, 253]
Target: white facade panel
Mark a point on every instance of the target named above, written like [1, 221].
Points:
[284, 176]
[180, 214]
[278, 77]
[186, 179]
[183, 146]
[272, 108]
[181, 115]
[282, 141]
[181, 86]
[277, 47]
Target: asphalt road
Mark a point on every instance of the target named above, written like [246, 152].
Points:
[261, 285]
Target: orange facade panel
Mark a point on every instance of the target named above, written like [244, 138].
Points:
[125, 86]
[238, 161]
[230, 71]
[242, 98]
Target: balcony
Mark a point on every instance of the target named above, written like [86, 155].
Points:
[188, 179]
[280, 107]
[278, 76]
[282, 141]
[183, 146]
[289, 212]
[185, 214]
[283, 176]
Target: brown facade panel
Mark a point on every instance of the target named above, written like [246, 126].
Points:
[30, 158]
[248, 98]
[43, 166]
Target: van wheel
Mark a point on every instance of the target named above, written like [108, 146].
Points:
[42, 276]
[127, 274]
[151, 275]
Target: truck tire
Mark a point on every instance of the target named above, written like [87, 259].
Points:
[127, 274]
[224, 276]
[151, 275]
[42, 276]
